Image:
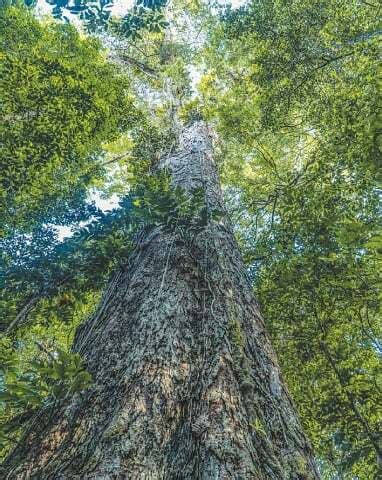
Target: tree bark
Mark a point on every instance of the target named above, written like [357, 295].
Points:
[186, 383]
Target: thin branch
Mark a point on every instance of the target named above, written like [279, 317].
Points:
[143, 67]
[24, 312]
[114, 159]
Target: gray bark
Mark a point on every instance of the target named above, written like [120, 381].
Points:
[186, 383]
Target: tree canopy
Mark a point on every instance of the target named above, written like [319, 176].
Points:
[294, 91]
[291, 90]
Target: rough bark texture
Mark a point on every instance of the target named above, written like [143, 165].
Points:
[186, 384]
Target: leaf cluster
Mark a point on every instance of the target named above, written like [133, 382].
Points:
[161, 204]
[44, 379]
[57, 110]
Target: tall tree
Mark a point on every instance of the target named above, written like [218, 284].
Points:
[186, 383]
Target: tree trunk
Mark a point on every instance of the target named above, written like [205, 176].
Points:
[186, 384]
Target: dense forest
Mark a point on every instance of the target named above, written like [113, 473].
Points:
[191, 240]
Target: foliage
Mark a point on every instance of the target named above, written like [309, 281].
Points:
[44, 266]
[319, 287]
[145, 16]
[96, 15]
[57, 110]
[159, 203]
[292, 90]
[35, 374]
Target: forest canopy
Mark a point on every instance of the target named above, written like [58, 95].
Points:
[89, 100]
